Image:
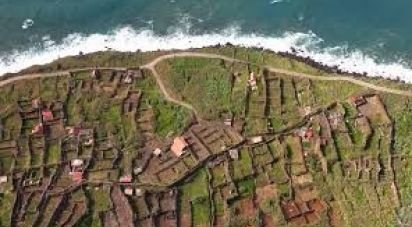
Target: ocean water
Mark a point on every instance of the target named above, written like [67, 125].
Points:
[373, 36]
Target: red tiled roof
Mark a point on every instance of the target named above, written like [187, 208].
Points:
[125, 179]
[77, 176]
[47, 115]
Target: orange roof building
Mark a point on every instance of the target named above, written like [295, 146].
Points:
[179, 145]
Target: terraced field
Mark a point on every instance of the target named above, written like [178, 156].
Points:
[217, 137]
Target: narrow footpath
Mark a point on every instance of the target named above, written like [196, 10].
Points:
[152, 67]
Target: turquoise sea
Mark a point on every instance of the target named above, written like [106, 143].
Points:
[373, 36]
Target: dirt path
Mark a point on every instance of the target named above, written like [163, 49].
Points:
[151, 66]
[156, 61]
[166, 93]
[341, 78]
[52, 74]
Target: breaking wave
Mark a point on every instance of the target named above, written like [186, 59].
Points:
[129, 39]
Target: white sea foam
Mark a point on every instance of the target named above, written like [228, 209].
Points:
[128, 39]
[27, 23]
[275, 1]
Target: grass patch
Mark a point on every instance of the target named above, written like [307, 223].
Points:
[6, 206]
[204, 83]
[201, 211]
[243, 166]
[99, 199]
[170, 119]
[197, 187]
[53, 153]
[246, 187]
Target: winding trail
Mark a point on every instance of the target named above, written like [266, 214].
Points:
[168, 96]
[52, 74]
[342, 78]
[151, 66]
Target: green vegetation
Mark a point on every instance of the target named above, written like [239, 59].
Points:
[242, 167]
[206, 84]
[200, 211]
[362, 174]
[197, 187]
[53, 154]
[6, 206]
[170, 119]
[246, 187]
[197, 194]
[99, 199]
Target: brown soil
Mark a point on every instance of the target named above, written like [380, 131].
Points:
[185, 220]
[162, 220]
[266, 192]
[268, 221]
[375, 110]
[246, 208]
[334, 218]
[220, 221]
[123, 210]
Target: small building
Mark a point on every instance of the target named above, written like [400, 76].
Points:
[88, 142]
[305, 133]
[307, 110]
[3, 179]
[125, 179]
[72, 131]
[309, 134]
[77, 163]
[335, 119]
[234, 154]
[77, 177]
[228, 122]
[256, 139]
[128, 191]
[76, 170]
[95, 74]
[36, 103]
[252, 81]
[358, 100]
[157, 152]
[38, 129]
[138, 192]
[137, 170]
[179, 146]
[47, 115]
[129, 77]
